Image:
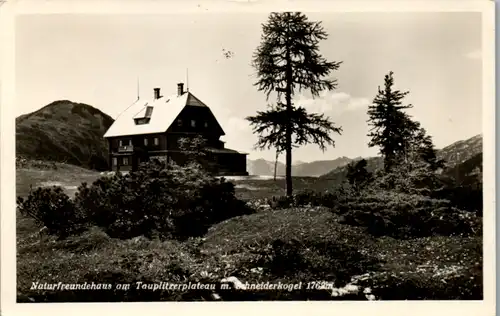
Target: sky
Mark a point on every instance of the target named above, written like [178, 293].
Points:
[98, 60]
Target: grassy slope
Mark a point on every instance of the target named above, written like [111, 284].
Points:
[68, 176]
[239, 233]
[64, 131]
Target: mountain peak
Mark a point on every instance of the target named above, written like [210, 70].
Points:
[64, 131]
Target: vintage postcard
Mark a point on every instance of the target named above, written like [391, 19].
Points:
[248, 156]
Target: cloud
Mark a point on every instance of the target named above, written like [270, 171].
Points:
[238, 124]
[330, 102]
[475, 54]
[239, 134]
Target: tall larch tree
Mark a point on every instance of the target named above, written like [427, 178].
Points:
[286, 61]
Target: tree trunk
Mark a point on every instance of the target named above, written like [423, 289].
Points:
[288, 130]
[288, 173]
[276, 164]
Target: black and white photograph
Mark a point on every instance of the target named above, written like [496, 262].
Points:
[255, 153]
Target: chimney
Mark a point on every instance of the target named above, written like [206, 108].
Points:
[157, 93]
[180, 89]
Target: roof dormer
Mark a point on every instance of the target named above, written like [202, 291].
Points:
[144, 116]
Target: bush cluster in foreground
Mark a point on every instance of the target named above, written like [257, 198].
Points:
[158, 200]
[403, 216]
[52, 208]
[391, 213]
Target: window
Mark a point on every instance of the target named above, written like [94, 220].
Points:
[125, 142]
[157, 141]
[125, 161]
[193, 123]
[179, 122]
[115, 161]
[142, 121]
[145, 141]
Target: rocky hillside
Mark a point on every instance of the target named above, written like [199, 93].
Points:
[64, 131]
[263, 167]
[461, 151]
[467, 172]
[464, 152]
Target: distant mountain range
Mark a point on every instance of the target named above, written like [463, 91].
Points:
[64, 131]
[454, 154]
[263, 167]
[460, 157]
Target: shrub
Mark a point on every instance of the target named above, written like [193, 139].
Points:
[332, 199]
[403, 215]
[280, 202]
[357, 175]
[408, 178]
[466, 197]
[450, 221]
[159, 200]
[406, 211]
[52, 208]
